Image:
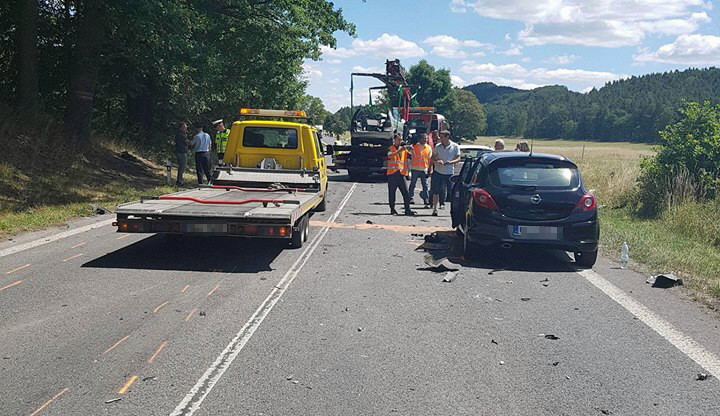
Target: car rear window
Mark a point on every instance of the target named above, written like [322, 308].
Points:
[270, 137]
[535, 174]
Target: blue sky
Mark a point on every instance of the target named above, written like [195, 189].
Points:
[520, 43]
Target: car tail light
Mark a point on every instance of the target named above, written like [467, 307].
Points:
[483, 199]
[587, 203]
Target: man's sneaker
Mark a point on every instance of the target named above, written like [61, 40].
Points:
[434, 214]
[412, 201]
[442, 206]
[427, 206]
[410, 212]
[393, 212]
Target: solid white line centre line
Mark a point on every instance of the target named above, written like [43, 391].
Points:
[685, 344]
[192, 401]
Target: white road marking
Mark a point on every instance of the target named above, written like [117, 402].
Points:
[192, 401]
[687, 345]
[39, 242]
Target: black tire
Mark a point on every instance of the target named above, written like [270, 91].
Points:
[298, 237]
[322, 206]
[469, 249]
[586, 259]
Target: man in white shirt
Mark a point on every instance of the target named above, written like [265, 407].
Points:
[445, 155]
[201, 143]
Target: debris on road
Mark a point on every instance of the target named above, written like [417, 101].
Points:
[664, 281]
[449, 277]
[545, 285]
[359, 329]
[290, 377]
[494, 342]
[551, 336]
[368, 222]
[295, 382]
[524, 299]
[555, 364]
[702, 377]
[149, 378]
[113, 400]
[202, 313]
[439, 265]
[545, 280]
[502, 362]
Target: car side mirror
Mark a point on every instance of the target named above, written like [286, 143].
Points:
[329, 150]
[455, 178]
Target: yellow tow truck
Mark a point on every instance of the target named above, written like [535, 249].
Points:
[273, 180]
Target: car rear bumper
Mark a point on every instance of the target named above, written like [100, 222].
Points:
[578, 236]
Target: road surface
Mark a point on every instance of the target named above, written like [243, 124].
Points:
[354, 323]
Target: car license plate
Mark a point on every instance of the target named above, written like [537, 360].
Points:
[535, 232]
[205, 228]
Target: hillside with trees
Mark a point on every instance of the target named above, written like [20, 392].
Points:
[633, 109]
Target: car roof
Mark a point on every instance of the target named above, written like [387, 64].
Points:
[474, 147]
[512, 154]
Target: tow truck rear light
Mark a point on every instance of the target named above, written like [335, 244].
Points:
[587, 203]
[283, 231]
[250, 229]
[483, 199]
[271, 231]
[123, 226]
[272, 113]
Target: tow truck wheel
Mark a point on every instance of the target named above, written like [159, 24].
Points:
[298, 237]
[306, 234]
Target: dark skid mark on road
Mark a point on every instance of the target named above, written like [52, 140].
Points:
[194, 254]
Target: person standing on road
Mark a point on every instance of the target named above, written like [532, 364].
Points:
[181, 148]
[396, 172]
[202, 143]
[445, 156]
[420, 168]
[221, 139]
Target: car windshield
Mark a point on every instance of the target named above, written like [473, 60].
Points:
[272, 137]
[535, 174]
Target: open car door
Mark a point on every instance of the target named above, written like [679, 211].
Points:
[460, 189]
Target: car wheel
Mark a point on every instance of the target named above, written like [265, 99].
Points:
[586, 259]
[469, 249]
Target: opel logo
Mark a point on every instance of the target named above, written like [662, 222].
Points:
[535, 199]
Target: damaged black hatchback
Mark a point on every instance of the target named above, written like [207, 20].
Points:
[514, 198]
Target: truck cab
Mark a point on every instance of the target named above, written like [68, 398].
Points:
[262, 141]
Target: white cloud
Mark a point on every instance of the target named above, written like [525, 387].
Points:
[366, 69]
[602, 23]
[537, 76]
[387, 45]
[337, 52]
[508, 38]
[457, 81]
[586, 90]
[478, 54]
[686, 50]
[334, 81]
[561, 59]
[334, 61]
[449, 47]
[458, 6]
[526, 60]
[508, 82]
[513, 51]
[310, 72]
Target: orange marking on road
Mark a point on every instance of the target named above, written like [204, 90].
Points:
[160, 348]
[123, 236]
[73, 257]
[127, 385]
[187, 318]
[116, 344]
[185, 288]
[387, 227]
[160, 307]
[47, 403]
[79, 245]
[212, 291]
[18, 269]
[11, 285]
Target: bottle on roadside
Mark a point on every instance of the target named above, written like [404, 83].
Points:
[624, 255]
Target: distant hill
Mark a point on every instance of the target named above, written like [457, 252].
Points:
[633, 109]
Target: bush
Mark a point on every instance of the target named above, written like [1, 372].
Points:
[687, 164]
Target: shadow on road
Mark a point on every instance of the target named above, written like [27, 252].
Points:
[193, 254]
[496, 259]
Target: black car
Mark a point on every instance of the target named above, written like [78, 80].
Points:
[512, 198]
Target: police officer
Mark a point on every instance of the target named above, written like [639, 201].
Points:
[221, 139]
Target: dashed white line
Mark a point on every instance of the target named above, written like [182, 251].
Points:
[685, 344]
[192, 401]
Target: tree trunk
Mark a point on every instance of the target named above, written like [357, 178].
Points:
[28, 101]
[86, 57]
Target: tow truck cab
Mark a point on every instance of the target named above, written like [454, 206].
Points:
[425, 120]
[276, 145]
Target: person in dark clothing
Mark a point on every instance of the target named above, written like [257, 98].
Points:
[181, 148]
[396, 172]
[201, 142]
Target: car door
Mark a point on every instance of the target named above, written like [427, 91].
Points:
[459, 191]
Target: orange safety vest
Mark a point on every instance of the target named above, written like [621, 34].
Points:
[420, 157]
[396, 162]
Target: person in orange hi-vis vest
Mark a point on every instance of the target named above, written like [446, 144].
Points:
[396, 172]
[420, 168]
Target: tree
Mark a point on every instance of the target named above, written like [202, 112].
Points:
[314, 108]
[467, 118]
[434, 87]
[27, 83]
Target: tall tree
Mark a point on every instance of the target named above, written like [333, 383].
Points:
[467, 117]
[434, 86]
[28, 99]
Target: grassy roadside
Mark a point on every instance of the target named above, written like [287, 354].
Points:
[685, 240]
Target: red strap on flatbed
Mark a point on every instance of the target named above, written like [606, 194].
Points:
[221, 202]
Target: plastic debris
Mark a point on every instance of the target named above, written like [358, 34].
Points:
[524, 299]
[449, 277]
[551, 336]
[555, 364]
[624, 255]
[494, 342]
[149, 378]
[368, 222]
[290, 377]
[502, 362]
[664, 281]
[359, 329]
[702, 377]
[295, 382]
[113, 400]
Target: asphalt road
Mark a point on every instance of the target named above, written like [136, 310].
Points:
[354, 323]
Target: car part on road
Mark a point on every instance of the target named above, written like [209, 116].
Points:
[702, 377]
[450, 276]
[552, 337]
[664, 281]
